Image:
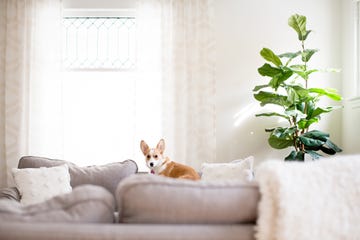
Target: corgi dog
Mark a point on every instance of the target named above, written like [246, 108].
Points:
[164, 166]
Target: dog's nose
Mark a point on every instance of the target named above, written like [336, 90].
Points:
[151, 164]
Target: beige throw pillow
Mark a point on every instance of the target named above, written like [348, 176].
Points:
[39, 184]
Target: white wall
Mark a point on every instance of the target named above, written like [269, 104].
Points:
[348, 53]
[243, 28]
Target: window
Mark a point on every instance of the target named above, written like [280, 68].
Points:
[99, 42]
[107, 105]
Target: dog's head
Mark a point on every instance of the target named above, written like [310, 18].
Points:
[153, 156]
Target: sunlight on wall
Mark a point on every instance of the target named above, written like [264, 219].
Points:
[250, 110]
[245, 113]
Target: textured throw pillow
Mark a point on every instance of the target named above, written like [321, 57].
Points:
[237, 170]
[107, 176]
[39, 184]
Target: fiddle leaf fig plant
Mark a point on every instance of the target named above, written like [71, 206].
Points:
[288, 76]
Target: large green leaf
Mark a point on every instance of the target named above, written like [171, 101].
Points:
[331, 93]
[294, 113]
[307, 54]
[258, 87]
[271, 98]
[268, 70]
[300, 91]
[300, 70]
[298, 23]
[314, 155]
[295, 156]
[316, 140]
[293, 97]
[327, 150]
[270, 56]
[306, 123]
[290, 55]
[309, 107]
[277, 80]
[318, 111]
[305, 74]
[311, 143]
[316, 134]
[297, 94]
[330, 148]
[300, 106]
[308, 72]
[281, 138]
[333, 146]
[272, 114]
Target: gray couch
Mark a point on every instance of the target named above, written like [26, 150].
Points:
[115, 202]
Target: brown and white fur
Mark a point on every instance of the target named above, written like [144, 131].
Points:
[161, 165]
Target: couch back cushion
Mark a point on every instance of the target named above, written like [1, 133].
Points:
[156, 199]
[85, 204]
[107, 176]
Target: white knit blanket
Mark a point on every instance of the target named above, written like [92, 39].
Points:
[309, 201]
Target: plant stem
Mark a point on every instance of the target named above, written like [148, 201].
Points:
[305, 65]
[306, 81]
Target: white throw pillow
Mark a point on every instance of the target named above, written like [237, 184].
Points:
[237, 170]
[39, 184]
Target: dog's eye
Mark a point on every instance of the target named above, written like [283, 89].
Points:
[148, 156]
[155, 156]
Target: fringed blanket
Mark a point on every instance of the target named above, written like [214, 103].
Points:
[310, 201]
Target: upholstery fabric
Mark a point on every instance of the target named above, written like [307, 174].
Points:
[157, 199]
[51, 231]
[85, 204]
[107, 176]
[11, 193]
[39, 184]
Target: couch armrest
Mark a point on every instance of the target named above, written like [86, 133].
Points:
[10, 193]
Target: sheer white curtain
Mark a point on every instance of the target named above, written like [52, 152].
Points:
[30, 109]
[187, 70]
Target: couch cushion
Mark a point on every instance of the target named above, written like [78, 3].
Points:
[107, 176]
[85, 204]
[39, 184]
[157, 199]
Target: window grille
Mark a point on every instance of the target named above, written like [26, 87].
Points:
[99, 43]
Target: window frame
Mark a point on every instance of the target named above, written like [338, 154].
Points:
[88, 12]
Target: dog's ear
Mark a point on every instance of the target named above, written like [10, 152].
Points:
[144, 147]
[161, 146]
